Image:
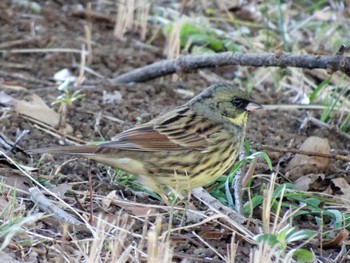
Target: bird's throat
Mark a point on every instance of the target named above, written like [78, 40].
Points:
[240, 120]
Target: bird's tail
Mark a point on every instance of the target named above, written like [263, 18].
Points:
[79, 150]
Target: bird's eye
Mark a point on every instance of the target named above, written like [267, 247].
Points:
[240, 103]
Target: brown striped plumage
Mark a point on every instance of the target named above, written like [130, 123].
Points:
[187, 147]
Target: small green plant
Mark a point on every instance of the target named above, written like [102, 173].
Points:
[66, 100]
[130, 182]
[13, 221]
[288, 196]
[319, 88]
[201, 39]
[280, 241]
[279, 236]
[338, 98]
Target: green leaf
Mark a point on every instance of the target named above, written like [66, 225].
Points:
[210, 11]
[300, 235]
[247, 148]
[283, 233]
[228, 194]
[206, 40]
[188, 30]
[167, 29]
[267, 159]
[313, 202]
[332, 104]
[255, 201]
[303, 255]
[230, 46]
[337, 216]
[286, 186]
[319, 88]
[270, 239]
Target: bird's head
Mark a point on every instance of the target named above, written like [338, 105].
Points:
[224, 102]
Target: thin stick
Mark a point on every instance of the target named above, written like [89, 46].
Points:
[288, 107]
[18, 76]
[249, 174]
[296, 151]
[91, 194]
[18, 42]
[321, 124]
[41, 50]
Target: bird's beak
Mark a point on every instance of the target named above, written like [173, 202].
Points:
[253, 106]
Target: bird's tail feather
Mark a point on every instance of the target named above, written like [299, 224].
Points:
[79, 150]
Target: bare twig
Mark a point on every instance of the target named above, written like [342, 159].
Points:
[20, 42]
[11, 146]
[20, 137]
[238, 188]
[48, 191]
[19, 76]
[331, 128]
[190, 63]
[249, 174]
[214, 204]
[91, 194]
[40, 50]
[296, 151]
[46, 205]
[93, 15]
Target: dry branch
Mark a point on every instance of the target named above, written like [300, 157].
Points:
[46, 205]
[190, 63]
[307, 153]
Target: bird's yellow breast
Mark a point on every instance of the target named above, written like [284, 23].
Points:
[194, 168]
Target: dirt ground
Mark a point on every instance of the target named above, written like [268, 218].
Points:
[109, 109]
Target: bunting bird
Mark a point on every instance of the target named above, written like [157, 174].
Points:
[187, 147]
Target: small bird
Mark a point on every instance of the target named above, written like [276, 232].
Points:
[187, 147]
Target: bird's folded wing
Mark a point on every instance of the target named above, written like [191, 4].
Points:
[174, 131]
[146, 138]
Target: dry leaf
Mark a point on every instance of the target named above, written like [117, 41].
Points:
[35, 109]
[14, 178]
[107, 200]
[328, 190]
[213, 235]
[302, 164]
[11, 87]
[336, 242]
[344, 187]
[304, 182]
[312, 144]
[137, 210]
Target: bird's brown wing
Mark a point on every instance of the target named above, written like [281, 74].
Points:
[176, 130]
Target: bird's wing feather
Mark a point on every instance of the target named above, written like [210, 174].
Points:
[176, 130]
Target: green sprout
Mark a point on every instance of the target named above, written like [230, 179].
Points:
[66, 100]
[286, 236]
